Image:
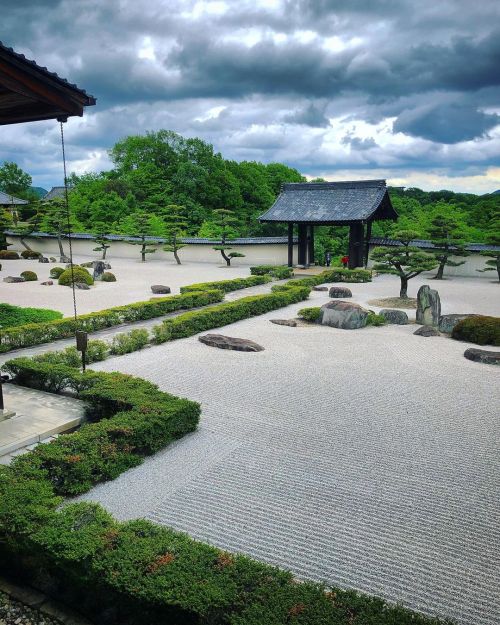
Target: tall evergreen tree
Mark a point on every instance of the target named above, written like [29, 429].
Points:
[226, 221]
[446, 232]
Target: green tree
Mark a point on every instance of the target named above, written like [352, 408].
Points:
[175, 225]
[445, 230]
[5, 224]
[226, 221]
[493, 238]
[13, 180]
[139, 225]
[54, 220]
[405, 260]
[102, 240]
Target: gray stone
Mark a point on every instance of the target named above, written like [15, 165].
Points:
[427, 331]
[43, 259]
[320, 288]
[158, 289]
[99, 268]
[284, 322]
[230, 342]
[428, 306]
[64, 259]
[344, 315]
[82, 286]
[89, 264]
[399, 317]
[448, 322]
[53, 260]
[13, 279]
[47, 283]
[339, 292]
[482, 355]
[107, 266]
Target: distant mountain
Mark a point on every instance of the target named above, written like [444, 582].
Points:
[40, 191]
[497, 192]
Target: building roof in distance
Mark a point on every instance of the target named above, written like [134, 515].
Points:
[331, 203]
[55, 192]
[423, 244]
[6, 199]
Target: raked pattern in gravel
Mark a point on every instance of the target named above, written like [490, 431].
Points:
[367, 459]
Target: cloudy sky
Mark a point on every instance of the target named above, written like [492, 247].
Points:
[344, 89]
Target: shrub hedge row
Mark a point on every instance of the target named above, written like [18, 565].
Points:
[133, 419]
[280, 272]
[480, 329]
[37, 333]
[191, 323]
[226, 285]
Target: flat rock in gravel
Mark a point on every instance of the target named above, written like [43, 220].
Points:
[284, 322]
[43, 259]
[398, 317]
[339, 292]
[448, 322]
[320, 288]
[160, 289]
[482, 355]
[82, 286]
[344, 315]
[14, 279]
[427, 331]
[230, 342]
[47, 283]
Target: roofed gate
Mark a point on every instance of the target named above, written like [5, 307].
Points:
[355, 204]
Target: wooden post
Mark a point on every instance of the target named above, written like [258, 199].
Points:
[303, 244]
[290, 244]
[311, 244]
[367, 242]
[356, 245]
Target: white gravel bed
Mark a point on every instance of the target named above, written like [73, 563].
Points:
[365, 458]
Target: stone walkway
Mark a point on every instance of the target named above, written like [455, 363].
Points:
[39, 417]
[365, 458]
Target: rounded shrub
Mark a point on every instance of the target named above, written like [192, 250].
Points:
[8, 255]
[107, 276]
[55, 272]
[480, 329]
[78, 274]
[310, 314]
[30, 254]
[29, 276]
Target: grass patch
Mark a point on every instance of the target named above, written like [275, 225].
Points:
[13, 316]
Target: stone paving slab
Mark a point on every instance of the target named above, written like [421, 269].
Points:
[39, 416]
[364, 458]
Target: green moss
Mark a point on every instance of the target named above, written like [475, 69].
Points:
[480, 329]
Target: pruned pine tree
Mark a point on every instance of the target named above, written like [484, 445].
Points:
[54, 220]
[175, 226]
[141, 229]
[405, 260]
[226, 221]
[446, 232]
[493, 238]
[102, 242]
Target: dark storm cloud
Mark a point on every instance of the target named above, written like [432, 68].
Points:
[268, 67]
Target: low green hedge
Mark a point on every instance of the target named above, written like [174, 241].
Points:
[310, 314]
[226, 285]
[37, 333]
[480, 329]
[12, 316]
[191, 323]
[133, 419]
[279, 272]
[329, 275]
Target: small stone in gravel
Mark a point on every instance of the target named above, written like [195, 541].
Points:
[82, 286]
[47, 283]
[426, 331]
[160, 288]
[13, 279]
[339, 292]
[320, 288]
[284, 322]
[230, 342]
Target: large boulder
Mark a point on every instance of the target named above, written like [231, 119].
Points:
[230, 342]
[99, 269]
[159, 289]
[448, 322]
[344, 315]
[14, 279]
[482, 355]
[427, 331]
[284, 322]
[391, 315]
[428, 306]
[338, 292]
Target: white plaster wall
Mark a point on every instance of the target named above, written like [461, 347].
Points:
[263, 254]
[469, 269]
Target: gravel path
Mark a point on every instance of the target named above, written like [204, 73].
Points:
[16, 613]
[366, 458]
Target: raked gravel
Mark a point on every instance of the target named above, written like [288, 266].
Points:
[365, 458]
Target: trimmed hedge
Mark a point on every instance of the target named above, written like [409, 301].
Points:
[8, 255]
[330, 275]
[133, 419]
[30, 254]
[37, 333]
[280, 272]
[480, 329]
[75, 274]
[310, 314]
[55, 272]
[29, 276]
[191, 323]
[12, 316]
[226, 285]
